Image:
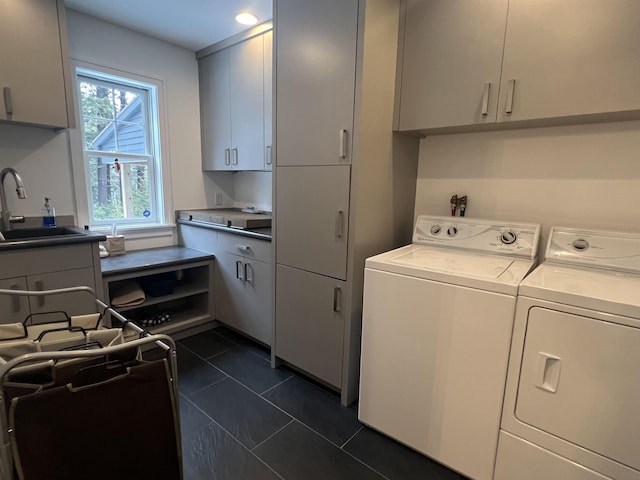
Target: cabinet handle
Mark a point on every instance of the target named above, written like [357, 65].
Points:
[510, 90]
[15, 299]
[40, 287]
[227, 156]
[339, 224]
[343, 144]
[485, 99]
[239, 270]
[235, 157]
[248, 273]
[244, 248]
[337, 299]
[268, 155]
[8, 103]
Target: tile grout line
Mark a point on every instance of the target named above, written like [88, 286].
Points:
[276, 385]
[351, 437]
[242, 445]
[226, 377]
[346, 452]
[272, 435]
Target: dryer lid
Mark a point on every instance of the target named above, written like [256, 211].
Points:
[592, 288]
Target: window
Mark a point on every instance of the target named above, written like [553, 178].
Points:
[121, 149]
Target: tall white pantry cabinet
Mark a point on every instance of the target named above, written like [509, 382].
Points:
[335, 176]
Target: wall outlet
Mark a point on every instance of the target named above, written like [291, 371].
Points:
[218, 199]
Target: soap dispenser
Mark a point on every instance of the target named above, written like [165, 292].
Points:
[48, 214]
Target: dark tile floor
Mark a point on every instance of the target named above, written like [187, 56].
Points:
[243, 420]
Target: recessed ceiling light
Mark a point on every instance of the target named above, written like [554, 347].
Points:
[246, 18]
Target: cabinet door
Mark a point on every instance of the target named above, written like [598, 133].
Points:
[268, 99]
[312, 207]
[247, 113]
[32, 74]
[73, 303]
[570, 57]
[216, 111]
[315, 80]
[310, 323]
[452, 61]
[243, 293]
[12, 307]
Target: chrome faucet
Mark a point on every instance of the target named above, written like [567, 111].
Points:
[5, 216]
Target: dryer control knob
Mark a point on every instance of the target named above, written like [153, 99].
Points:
[508, 237]
[436, 229]
[452, 231]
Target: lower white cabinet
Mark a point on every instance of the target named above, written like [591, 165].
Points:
[243, 278]
[72, 303]
[243, 290]
[14, 308]
[310, 322]
[49, 268]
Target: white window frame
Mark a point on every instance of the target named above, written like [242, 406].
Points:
[164, 222]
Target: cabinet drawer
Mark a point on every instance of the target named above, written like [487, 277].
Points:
[245, 247]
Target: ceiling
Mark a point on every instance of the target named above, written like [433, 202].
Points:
[192, 24]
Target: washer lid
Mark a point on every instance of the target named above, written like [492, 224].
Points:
[596, 289]
[494, 273]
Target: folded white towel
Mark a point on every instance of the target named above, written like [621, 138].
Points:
[129, 294]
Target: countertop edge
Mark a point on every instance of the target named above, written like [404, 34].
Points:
[133, 264]
[222, 228]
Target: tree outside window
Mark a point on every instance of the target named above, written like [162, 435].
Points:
[120, 149]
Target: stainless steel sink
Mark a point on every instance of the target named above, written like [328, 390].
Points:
[39, 233]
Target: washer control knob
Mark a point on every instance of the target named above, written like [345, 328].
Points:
[508, 237]
[436, 229]
[580, 245]
[452, 231]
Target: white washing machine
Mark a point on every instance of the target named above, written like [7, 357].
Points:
[572, 403]
[437, 322]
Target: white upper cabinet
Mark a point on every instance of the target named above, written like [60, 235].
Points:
[33, 60]
[216, 111]
[559, 61]
[232, 102]
[452, 61]
[247, 104]
[315, 89]
[570, 57]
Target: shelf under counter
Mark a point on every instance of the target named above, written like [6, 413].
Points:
[189, 301]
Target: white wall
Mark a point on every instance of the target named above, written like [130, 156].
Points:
[41, 157]
[94, 41]
[587, 175]
[240, 189]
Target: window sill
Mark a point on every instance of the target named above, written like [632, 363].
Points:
[138, 231]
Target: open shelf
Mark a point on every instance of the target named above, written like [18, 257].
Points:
[187, 286]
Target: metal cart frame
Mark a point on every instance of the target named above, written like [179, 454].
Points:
[145, 338]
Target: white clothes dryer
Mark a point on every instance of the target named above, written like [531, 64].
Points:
[437, 323]
[572, 402]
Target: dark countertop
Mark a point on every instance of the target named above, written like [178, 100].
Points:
[86, 236]
[140, 260]
[259, 233]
